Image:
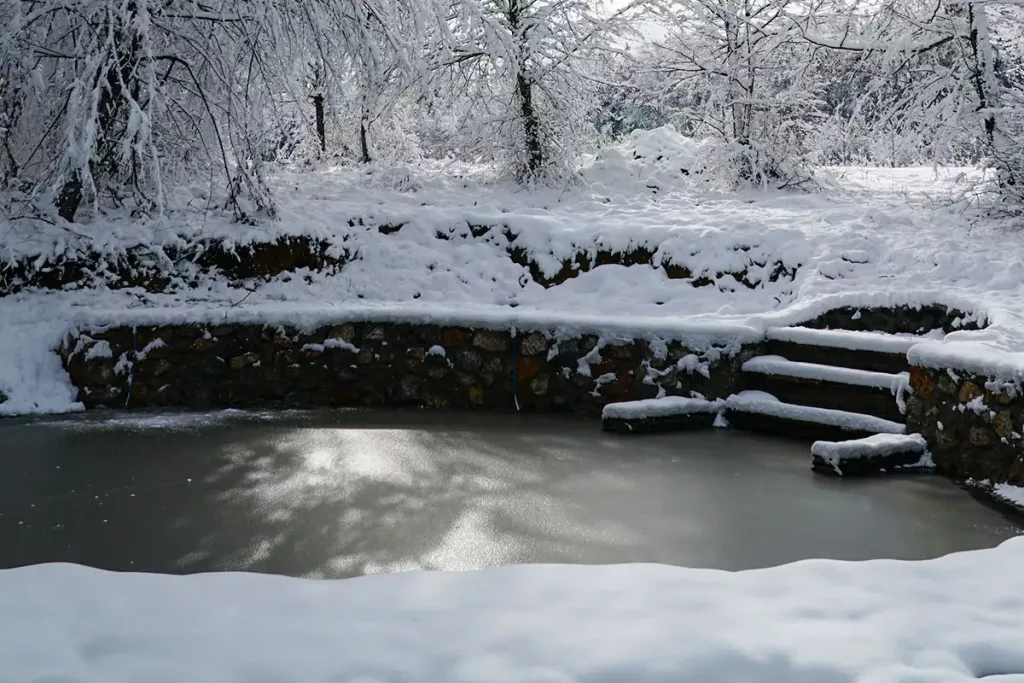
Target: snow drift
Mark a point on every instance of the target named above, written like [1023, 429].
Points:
[957, 618]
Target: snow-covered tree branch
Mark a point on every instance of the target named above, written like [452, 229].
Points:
[140, 96]
[747, 77]
[530, 71]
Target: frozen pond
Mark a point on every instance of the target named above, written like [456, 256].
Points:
[334, 494]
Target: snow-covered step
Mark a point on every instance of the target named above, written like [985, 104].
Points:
[669, 413]
[763, 412]
[871, 455]
[874, 351]
[827, 386]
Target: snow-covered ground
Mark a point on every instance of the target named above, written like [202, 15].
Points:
[956, 618]
[872, 237]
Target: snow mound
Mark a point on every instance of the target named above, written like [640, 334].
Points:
[948, 620]
[647, 162]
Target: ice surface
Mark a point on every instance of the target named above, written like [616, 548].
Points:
[659, 407]
[175, 421]
[950, 620]
[761, 403]
[777, 365]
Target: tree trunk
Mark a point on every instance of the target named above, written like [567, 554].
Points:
[364, 145]
[524, 94]
[986, 88]
[321, 129]
[531, 127]
[112, 109]
[114, 79]
[70, 197]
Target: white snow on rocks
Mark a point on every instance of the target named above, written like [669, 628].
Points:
[777, 365]
[659, 407]
[950, 620]
[878, 445]
[976, 357]
[761, 403]
[332, 343]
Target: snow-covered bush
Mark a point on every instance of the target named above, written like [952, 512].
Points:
[662, 160]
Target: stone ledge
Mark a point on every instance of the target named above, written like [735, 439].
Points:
[986, 492]
[659, 424]
[383, 364]
[158, 270]
[880, 454]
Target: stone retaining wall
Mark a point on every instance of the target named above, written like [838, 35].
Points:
[974, 425]
[377, 364]
[897, 319]
[172, 268]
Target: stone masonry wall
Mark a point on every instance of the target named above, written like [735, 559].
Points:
[378, 364]
[974, 425]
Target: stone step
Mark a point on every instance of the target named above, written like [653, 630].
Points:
[873, 351]
[762, 412]
[827, 386]
[668, 414]
[881, 453]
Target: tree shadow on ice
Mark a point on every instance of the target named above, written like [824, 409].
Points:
[345, 502]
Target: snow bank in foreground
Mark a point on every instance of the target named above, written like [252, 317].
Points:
[956, 618]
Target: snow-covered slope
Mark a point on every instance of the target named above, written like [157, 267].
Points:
[878, 237]
[957, 618]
